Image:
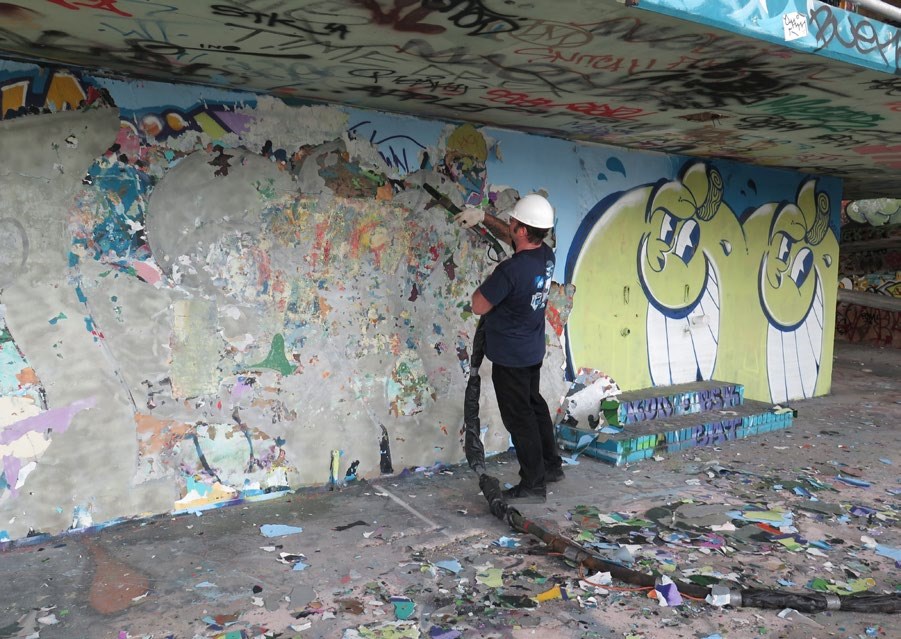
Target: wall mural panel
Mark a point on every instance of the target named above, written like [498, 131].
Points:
[206, 293]
[694, 291]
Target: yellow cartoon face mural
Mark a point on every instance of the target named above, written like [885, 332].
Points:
[787, 277]
[673, 237]
[689, 235]
[664, 290]
[797, 254]
[674, 287]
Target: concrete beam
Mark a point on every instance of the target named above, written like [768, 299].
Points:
[871, 300]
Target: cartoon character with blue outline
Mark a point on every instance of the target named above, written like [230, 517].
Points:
[794, 254]
[649, 278]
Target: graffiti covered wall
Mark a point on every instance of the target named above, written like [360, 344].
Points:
[203, 293]
[791, 83]
[870, 266]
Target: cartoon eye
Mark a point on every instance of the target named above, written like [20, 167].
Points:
[802, 266]
[667, 224]
[785, 247]
[687, 242]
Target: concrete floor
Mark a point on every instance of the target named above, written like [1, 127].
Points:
[216, 575]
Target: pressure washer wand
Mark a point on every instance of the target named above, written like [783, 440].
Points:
[478, 229]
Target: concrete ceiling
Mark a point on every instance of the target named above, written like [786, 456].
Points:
[781, 83]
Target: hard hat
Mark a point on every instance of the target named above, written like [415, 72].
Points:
[534, 210]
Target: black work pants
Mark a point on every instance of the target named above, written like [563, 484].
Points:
[526, 417]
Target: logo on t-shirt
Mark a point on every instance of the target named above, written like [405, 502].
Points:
[542, 287]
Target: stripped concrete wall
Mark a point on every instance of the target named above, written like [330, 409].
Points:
[203, 294]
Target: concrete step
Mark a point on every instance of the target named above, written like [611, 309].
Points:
[665, 402]
[665, 436]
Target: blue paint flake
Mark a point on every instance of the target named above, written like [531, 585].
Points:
[279, 530]
[200, 488]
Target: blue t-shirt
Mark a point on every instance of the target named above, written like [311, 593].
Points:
[518, 291]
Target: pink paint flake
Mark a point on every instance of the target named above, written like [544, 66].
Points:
[147, 272]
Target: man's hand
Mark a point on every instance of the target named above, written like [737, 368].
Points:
[468, 218]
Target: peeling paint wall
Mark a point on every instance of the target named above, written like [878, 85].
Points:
[205, 294]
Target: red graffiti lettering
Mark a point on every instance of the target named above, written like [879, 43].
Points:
[855, 323]
[106, 5]
[889, 156]
[874, 149]
[524, 100]
[412, 21]
[604, 110]
[514, 98]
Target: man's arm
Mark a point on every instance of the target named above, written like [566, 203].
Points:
[499, 228]
[480, 305]
[469, 217]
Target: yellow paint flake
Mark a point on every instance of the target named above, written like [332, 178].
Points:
[548, 595]
[491, 577]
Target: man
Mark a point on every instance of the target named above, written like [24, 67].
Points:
[513, 301]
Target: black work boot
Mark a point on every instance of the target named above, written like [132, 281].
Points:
[521, 495]
[554, 475]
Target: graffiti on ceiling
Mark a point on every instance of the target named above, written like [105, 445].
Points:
[792, 84]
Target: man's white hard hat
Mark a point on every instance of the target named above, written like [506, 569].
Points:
[534, 210]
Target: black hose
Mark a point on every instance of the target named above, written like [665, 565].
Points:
[579, 555]
[472, 425]
[819, 602]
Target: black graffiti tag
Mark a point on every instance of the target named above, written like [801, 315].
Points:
[863, 36]
[891, 86]
[273, 19]
[473, 14]
[146, 57]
